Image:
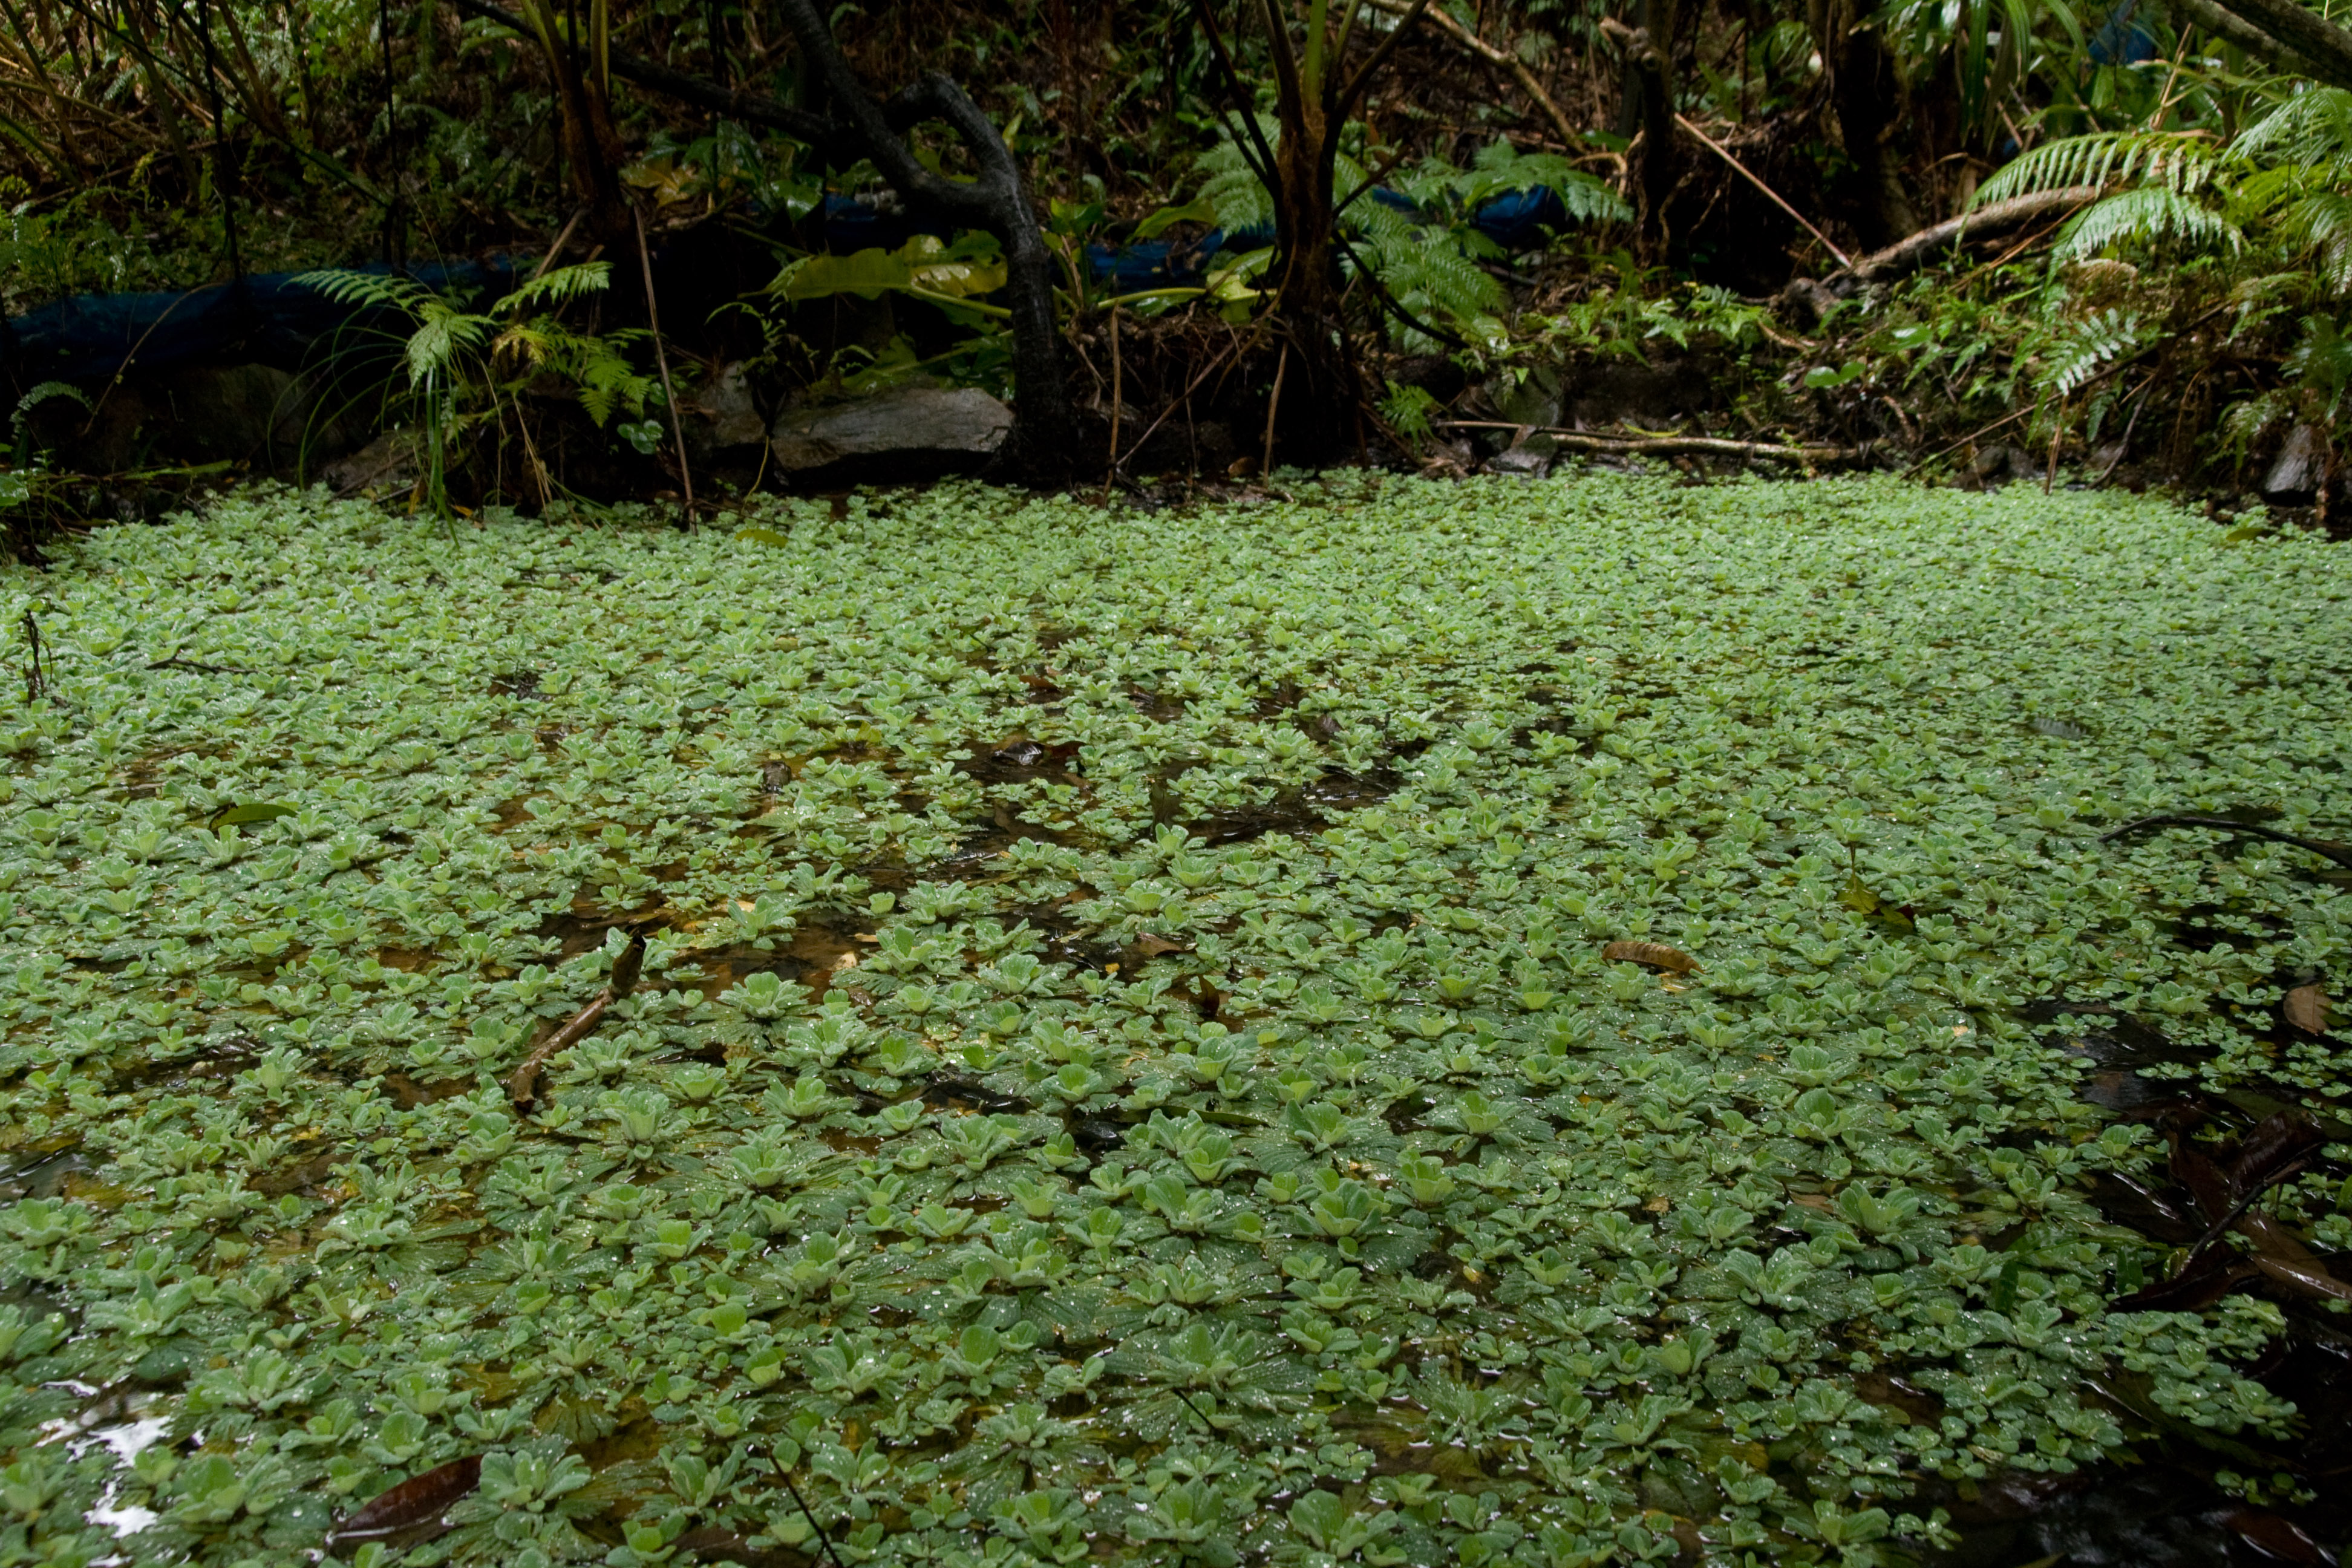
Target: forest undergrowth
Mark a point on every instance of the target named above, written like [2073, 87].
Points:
[1569, 1023]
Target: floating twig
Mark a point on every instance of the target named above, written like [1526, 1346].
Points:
[176, 662]
[2335, 852]
[785, 1476]
[522, 1088]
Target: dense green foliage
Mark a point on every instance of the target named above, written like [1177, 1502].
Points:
[959, 816]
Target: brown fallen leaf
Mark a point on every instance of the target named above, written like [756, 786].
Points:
[2308, 1278]
[416, 1504]
[1652, 955]
[2274, 1537]
[1151, 946]
[2306, 1008]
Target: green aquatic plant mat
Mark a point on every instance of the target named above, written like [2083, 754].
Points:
[1130, 1063]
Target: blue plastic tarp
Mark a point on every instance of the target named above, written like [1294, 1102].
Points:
[266, 317]
[271, 318]
[1517, 220]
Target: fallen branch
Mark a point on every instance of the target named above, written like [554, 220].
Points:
[1667, 446]
[2326, 851]
[2282, 33]
[523, 1086]
[1908, 255]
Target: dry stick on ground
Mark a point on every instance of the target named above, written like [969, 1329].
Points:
[1272, 405]
[1195, 385]
[1725, 153]
[1665, 446]
[2122, 445]
[2338, 853]
[661, 359]
[562, 238]
[523, 1086]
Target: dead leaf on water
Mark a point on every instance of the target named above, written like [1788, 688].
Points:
[1858, 897]
[1651, 954]
[2306, 1008]
[416, 1503]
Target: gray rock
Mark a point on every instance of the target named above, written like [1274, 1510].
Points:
[728, 417]
[905, 434]
[1532, 399]
[393, 462]
[245, 412]
[1528, 458]
[2301, 465]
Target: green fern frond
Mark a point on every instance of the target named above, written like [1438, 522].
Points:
[2150, 214]
[442, 335]
[2087, 347]
[41, 392]
[2178, 162]
[375, 289]
[2322, 360]
[2322, 221]
[2314, 126]
[1589, 199]
[561, 286]
[1231, 187]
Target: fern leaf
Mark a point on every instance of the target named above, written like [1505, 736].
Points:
[381, 290]
[2179, 162]
[2314, 126]
[561, 286]
[2088, 348]
[2150, 214]
[2322, 221]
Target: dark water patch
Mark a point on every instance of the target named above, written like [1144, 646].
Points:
[2113, 1516]
[408, 1093]
[1098, 1134]
[953, 1090]
[299, 1175]
[521, 683]
[1284, 696]
[1307, 809]
[1018, 759]
[815, 957]
[1158, 708]
[43, 1171]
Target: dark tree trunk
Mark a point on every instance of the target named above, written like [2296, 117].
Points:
[1866, 95]
[1646, 113]
[1316, 397]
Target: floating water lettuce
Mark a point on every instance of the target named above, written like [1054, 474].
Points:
[1372, 1028]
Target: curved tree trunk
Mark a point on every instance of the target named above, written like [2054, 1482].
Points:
[1042, 445]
